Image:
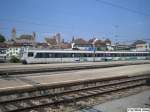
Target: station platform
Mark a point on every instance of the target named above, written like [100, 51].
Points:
[45, 79]
[37, 68]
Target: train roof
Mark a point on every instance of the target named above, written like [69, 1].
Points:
[61, 51]
[79, 51]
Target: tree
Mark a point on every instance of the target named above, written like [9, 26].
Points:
[14, 59]
[2, 38]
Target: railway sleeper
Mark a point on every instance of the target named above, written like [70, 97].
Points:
[68, 100]
[57, 90]
[102, 89]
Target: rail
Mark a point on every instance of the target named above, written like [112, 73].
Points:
[67, 93]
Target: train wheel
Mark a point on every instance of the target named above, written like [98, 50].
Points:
[24, 62]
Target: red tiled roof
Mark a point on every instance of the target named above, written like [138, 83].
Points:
[80, 41]
[51, 41]
[3, 45]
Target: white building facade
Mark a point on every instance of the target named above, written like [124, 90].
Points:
[143, 47]
[13, 51]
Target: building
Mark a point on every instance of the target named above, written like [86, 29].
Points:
[65, 45]
[17, 45]
[3, 48]
[54, 41]
[92, 45]
[84, 47]
[143, 47]
[41, 45]
[101, 45]
[81, 44]
[122, 47]
[24, 39]
[140, 45]
[14, 50]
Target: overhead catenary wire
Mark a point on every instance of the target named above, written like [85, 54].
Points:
[123, 8]
[33, 23]
[101, 1]
[71, 28]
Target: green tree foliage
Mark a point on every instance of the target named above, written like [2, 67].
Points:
[2, 38]
[14, 59]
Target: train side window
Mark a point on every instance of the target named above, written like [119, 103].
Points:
[58, 55]
[134, 54]
[97, 55]
[145, 54]
[46, 55]
[130, 54]
[76, 55]
[90, 55]
[39, 55]
[30, 54]
[67, 55]
[108, 54]
[112, 55]
[124, 54]
[121, 54]
[102, 55]
[86, 55]
[118, 55]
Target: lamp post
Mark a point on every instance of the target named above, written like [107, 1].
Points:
[94, 49]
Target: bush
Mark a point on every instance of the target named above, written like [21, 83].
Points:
[2, 38]
[14, 59]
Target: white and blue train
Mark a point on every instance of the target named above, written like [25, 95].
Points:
[58, 56]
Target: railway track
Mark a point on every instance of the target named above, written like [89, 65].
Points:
[59, 95]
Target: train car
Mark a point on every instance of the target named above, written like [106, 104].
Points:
[62, 56]
[121, 55]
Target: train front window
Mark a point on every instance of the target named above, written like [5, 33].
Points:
[30, 54]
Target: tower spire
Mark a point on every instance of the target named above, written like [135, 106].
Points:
[13, 33]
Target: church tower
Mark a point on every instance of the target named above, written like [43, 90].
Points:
[34, 39]
[13, 34]
[34, 36]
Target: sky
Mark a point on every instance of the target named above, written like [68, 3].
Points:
[118, 20]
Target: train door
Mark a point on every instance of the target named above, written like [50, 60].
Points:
[30, 57]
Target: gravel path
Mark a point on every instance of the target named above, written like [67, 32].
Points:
[121, 105]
